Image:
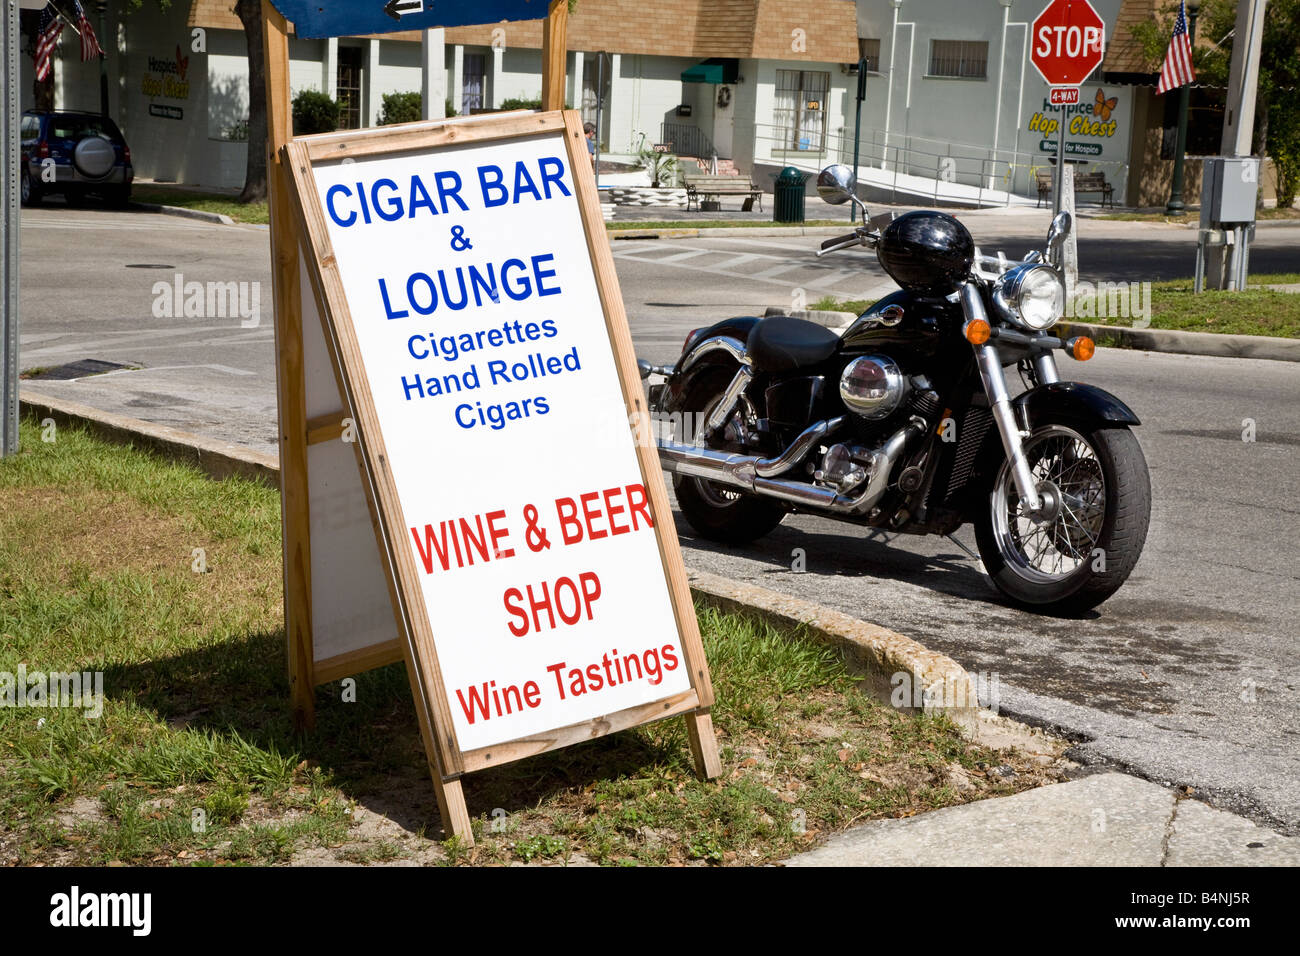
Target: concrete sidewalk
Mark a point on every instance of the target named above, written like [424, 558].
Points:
[1107, 819]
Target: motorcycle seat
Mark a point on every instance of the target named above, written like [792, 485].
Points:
[780, 343]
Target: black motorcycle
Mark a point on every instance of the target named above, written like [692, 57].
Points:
[905, 423]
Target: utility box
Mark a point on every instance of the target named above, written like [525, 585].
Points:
[1230, 189]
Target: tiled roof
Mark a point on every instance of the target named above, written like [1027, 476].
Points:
[1124, 53]
[214, 15]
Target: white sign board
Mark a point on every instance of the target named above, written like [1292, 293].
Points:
[481, 339]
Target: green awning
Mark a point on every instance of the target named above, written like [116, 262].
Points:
[713, 70]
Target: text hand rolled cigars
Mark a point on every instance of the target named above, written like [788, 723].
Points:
[473, 285]
[457, 543]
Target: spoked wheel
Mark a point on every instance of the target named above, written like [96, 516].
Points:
[716, 511]
[1082, 546]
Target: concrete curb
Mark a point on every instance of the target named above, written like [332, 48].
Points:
[215, 458]
[1188, 343]
[832, 320]
[889, 663]
[1267, 347]
[933, 683]
[185, 213]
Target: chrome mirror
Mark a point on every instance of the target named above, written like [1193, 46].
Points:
[837, 184]
[1058, 232]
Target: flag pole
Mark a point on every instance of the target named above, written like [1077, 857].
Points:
[1176, 206]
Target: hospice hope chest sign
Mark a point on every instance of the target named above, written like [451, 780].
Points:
[481, 347]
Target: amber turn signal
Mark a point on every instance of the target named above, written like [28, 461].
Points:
[1082, 348]
[977, 331]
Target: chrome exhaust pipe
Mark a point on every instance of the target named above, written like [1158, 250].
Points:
[743, 471]
[735, 468]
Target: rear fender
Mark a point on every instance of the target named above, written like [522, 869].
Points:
[716, 347]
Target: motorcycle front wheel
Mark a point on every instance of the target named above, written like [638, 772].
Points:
[1083, 550]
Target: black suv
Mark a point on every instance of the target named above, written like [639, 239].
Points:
[76, 154]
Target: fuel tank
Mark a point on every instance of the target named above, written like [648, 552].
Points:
[910, 331]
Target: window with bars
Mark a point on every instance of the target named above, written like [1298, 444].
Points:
[967, 59]
[869, 50]
[800, 113]
[349, 87]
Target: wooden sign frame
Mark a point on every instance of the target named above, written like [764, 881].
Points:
[300, 239]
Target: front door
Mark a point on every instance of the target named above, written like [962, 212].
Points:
[349, 80]
[473, 84]
[724, 119]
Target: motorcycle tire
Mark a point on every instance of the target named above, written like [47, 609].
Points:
[719, 512]
[1086, 552]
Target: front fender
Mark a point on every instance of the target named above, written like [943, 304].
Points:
[1073, 400]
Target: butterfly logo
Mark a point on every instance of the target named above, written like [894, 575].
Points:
[1104, 106]
[182, 63]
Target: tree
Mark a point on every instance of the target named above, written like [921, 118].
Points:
[250, 15]
[1277, 107]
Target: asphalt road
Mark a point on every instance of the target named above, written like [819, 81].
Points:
[1188, 676]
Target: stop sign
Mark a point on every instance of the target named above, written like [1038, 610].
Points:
[1069, 42]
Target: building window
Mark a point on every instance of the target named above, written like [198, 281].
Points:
[869, 50]
[473, 83]
[968, 59]
[800, 114]
[349, 87]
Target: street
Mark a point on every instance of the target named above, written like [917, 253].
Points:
[1188, 676]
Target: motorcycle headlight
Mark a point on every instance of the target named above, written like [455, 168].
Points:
[1031, 296]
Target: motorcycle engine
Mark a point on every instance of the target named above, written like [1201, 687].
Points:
[843, 468]
[873, 387]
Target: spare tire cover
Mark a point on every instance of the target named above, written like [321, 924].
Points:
[94, 157]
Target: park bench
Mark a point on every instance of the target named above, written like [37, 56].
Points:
[701, 187]
[1083, 183]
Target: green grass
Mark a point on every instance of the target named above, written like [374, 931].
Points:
[1256, 311]
[193, 760]
[626, 224]
[254, 212]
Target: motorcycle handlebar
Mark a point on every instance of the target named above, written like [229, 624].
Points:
[840, 242]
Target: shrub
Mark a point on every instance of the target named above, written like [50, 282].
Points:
[517, 103]
[315, 112]
[401, 108]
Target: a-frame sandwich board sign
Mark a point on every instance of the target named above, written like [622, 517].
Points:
[504, 527]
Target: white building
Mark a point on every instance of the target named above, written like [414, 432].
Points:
[754, 80]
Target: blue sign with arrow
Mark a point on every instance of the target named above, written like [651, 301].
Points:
[317, 19]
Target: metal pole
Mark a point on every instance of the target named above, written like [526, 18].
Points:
[103, 59]
[9, 225]
[857, 128]
[1060, 164]
[600, 102]
[1243, 83]
[1176, 205]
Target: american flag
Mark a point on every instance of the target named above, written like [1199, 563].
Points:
[1177, 70]
[47, 36]
[90, 47]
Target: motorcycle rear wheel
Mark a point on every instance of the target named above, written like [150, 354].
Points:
[1086, 551]
[716, 511]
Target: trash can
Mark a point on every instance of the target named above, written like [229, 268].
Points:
[789, 195]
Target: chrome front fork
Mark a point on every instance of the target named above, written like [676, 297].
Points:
[995, 387]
